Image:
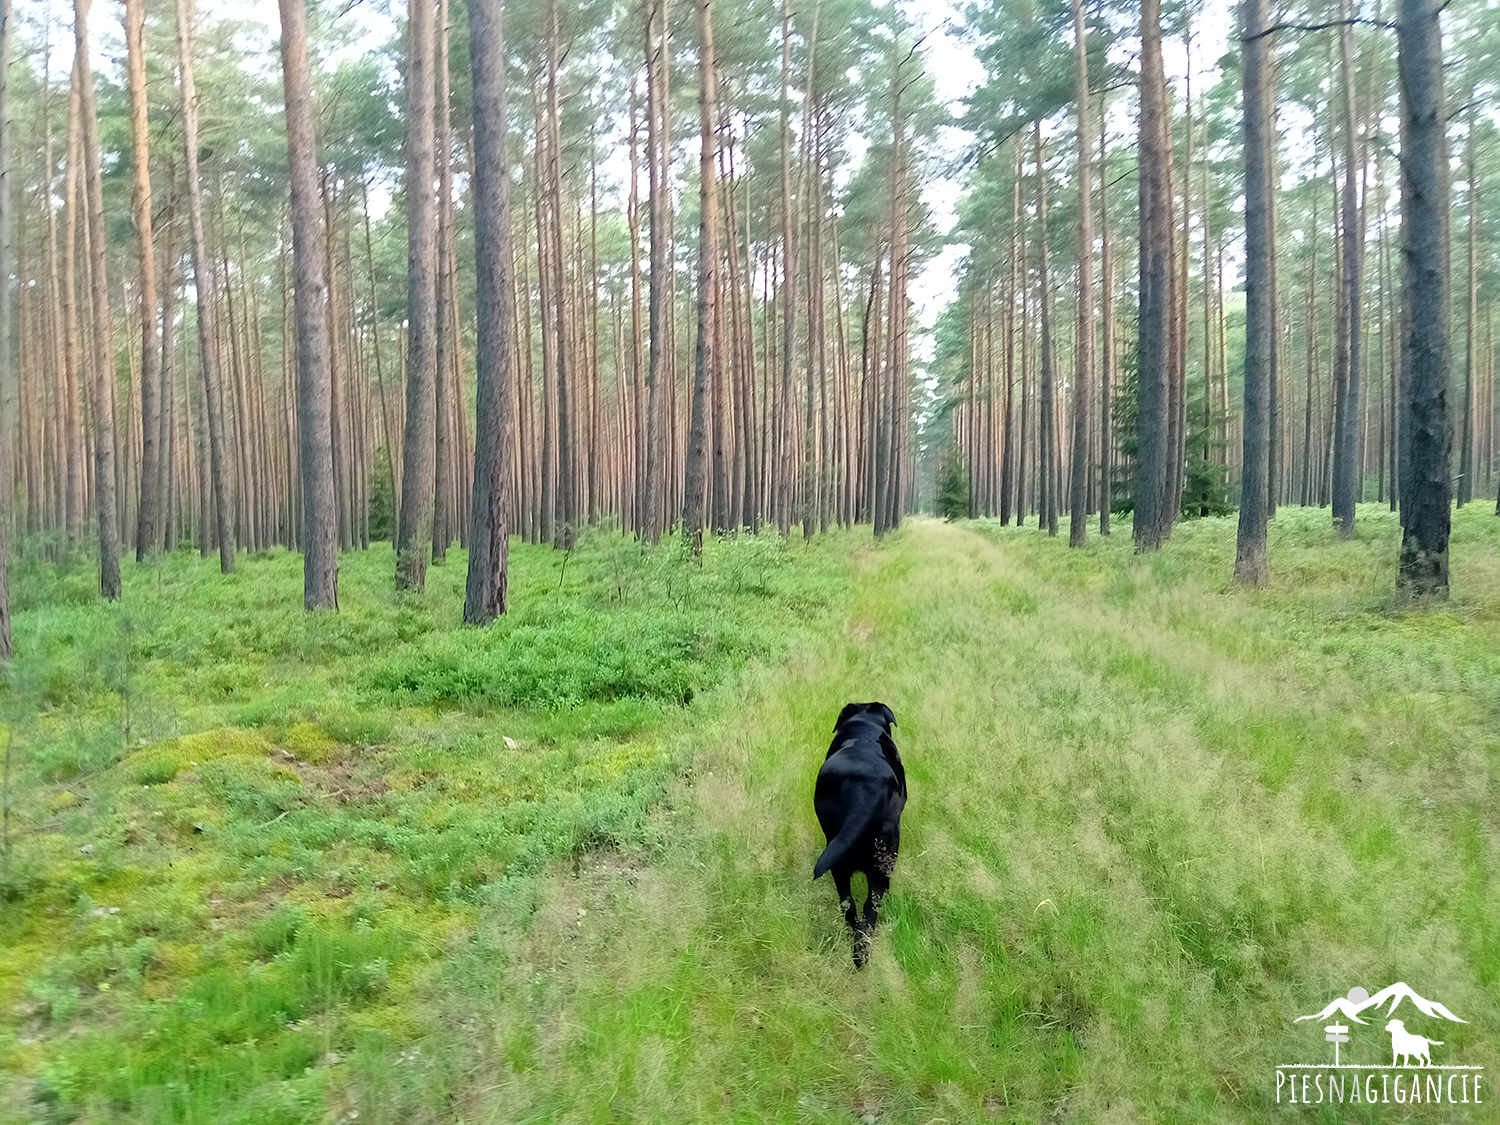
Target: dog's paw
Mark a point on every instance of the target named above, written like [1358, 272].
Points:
[861, 949]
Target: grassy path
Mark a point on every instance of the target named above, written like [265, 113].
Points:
[1150, 824]
[376, 868]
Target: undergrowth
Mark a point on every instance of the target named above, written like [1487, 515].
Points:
[374, 867]
[244, 837]
[1153, 819]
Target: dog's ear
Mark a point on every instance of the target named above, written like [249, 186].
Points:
[849, 711]
[890, 716]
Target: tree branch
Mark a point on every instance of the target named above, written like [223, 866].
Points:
[1383, 24]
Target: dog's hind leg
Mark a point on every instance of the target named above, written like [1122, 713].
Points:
[841, 877]
[880, 883]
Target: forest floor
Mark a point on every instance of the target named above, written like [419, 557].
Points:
[378, 868]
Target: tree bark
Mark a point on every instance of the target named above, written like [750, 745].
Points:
[706, 359]
[1107, 367]
[1426, 485]
[1273, 355]
[148, 530]
[204, 281]
[419, 463]
[1009, 460]
[387, 423]
[811, 170]
[1153, 515]
[1083, 384]
[103, 357]
[636, 454]
[172, 482]
[656, 159]
[61, 299]
[1046, 390]
[1348, 469]
[1471, 338]
[566, 496]
[1250, 565]
[489, 539]
[443, 515]
[314, 382]
[787, 417]
[339, 436]
[6, 369]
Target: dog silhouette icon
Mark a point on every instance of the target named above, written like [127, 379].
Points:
[1411, 1048]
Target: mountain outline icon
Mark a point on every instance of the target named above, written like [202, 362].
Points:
[1395, 993]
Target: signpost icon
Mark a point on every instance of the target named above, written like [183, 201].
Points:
[1337, 1033]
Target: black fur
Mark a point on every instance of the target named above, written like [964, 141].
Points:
[860, 793]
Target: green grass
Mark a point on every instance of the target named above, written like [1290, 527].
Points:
[1153, 818]
[248, 840]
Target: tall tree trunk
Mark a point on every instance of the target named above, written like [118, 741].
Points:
[811, 170]
[65, 453]
[443, 516]
[73, 361]
[172, 482]
[636, 458]
[564, 366]
[1493, 414]
[1213, 365]
[722, 504]
[1426, 485]
[103, 357]
[824, 472]
[1250, 564]
[705, 359]
[786, 421]
[6, 491]
[1083, 384]
[387, 422]
[869, 392]
[895, 407]
[1023, 416]
[1348, 469]
[1180, 255]
[1153, 512]
[1273, 353]
[1009, 460]
[1309, 331]
[339, 435]
[1107, 368]
[656, 159]
[1471, 337]
[1395, 334]
[314, 382]
[419, 464]
[489, 539]
[1046, 390]
[148, 530]
[204, 281]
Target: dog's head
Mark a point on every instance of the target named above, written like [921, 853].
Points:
[879, 712]
[1395, 1025]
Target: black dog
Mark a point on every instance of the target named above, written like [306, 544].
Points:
[860, 793]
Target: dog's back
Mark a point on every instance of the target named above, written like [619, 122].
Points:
[860, 793]
[859, 796]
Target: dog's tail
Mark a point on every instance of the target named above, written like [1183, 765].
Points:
[839, 846]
